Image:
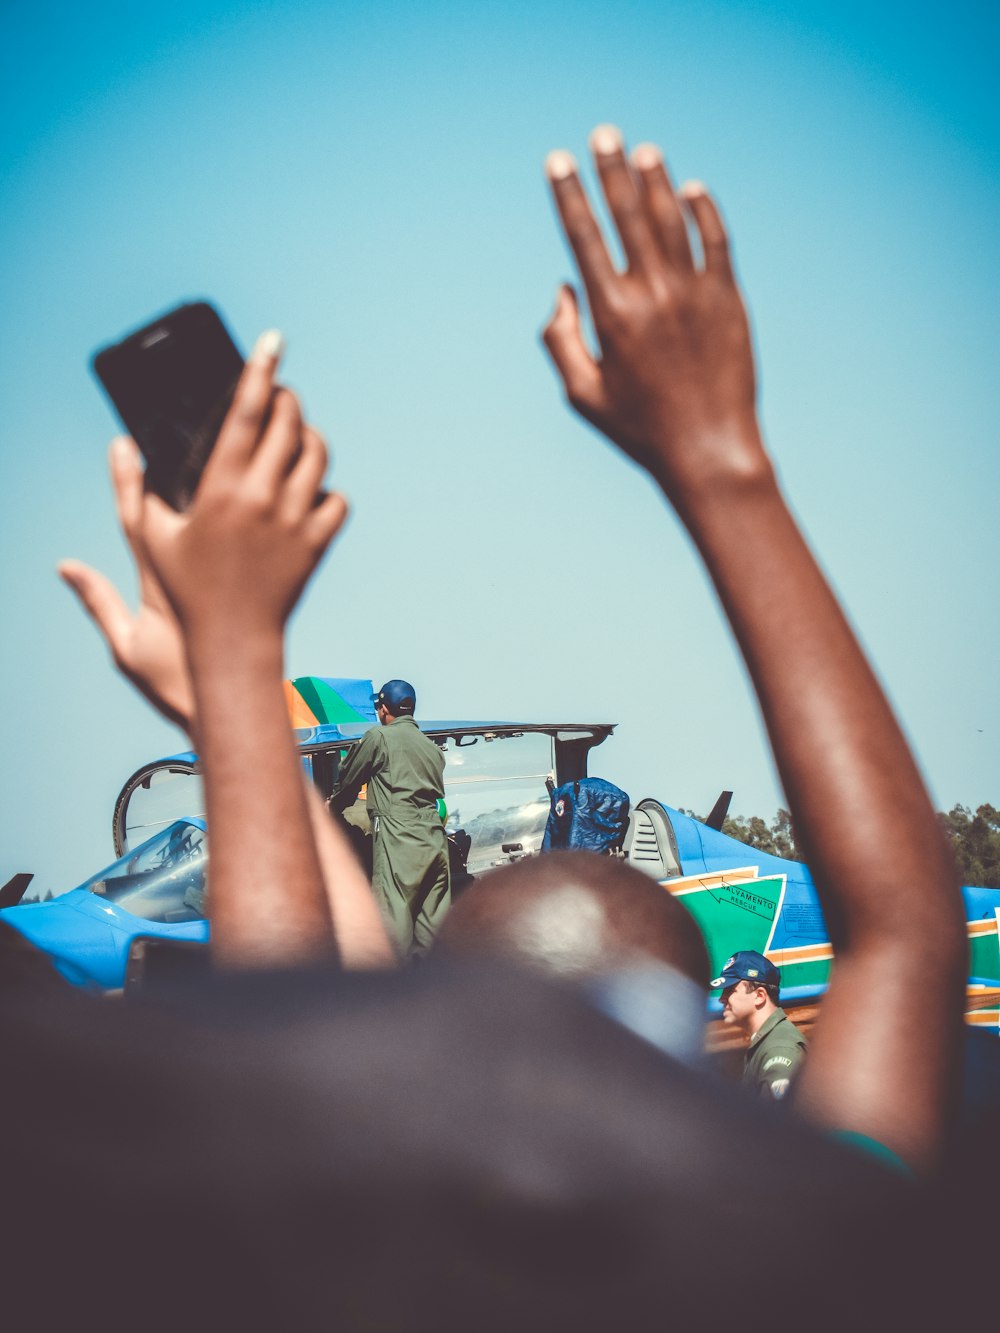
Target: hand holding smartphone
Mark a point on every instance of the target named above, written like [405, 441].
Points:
[171, 384]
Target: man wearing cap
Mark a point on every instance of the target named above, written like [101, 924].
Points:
[776, 1048]
[404, 771]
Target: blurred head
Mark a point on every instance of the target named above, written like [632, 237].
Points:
[575, 914]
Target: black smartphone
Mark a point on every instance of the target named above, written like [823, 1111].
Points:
[171, 384]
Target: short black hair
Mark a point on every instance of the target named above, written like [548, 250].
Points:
[773, 991]
[639, 917]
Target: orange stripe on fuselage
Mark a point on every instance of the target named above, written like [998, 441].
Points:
[717, 880]
[982, 927]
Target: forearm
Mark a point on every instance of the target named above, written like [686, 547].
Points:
[355, 770]
[859, 803]
[358, 929]
[268, 903]
[359, 933]
[882, 870]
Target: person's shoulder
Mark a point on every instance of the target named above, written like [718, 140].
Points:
[777, 1068]
[418, 737]
[796, 1036]
[371, 745]
[781, 1059]
[778, 1058]
[784, 1032]
[783, 1037]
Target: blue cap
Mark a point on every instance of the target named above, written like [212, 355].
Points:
[748, 965]
[399, 696]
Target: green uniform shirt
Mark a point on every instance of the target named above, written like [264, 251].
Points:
[405, 775]
[774, 1055]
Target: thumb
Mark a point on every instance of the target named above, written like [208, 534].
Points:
[101, 600]
[579, 372]
[160, 524]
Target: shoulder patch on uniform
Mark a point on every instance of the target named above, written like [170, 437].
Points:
[779, 1087]
[777, 1060]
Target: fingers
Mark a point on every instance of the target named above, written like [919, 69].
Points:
[326, 520]
[161, 523]
[582, 232]
[102, 602]
[127, 480]
[624, 200]
[711, 229]
[666, 220]
[647, 213]
[563, 338]
[245, 419]
[280, 443]
[306, 476]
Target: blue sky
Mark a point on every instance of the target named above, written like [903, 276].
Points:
[368, 179]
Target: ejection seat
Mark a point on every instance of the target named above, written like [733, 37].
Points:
[649, 841]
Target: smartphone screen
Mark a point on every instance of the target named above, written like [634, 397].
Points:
[171, 384]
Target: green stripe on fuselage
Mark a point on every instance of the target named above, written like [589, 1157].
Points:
[810, 972]
[735, 916]
[984, 958]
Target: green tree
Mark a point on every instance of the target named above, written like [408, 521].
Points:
[776, 838]
[975, 841]
[974, 838]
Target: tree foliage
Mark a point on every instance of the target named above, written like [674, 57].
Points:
[975, 840]
[776, 838]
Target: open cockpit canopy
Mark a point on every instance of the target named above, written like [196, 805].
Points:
[496, 773]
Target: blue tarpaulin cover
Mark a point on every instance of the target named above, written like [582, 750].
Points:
[587, 815]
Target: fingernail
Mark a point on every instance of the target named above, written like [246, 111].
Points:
[606, 139]
[268, 347]
[559, 165]
[646, 155]
[692, 188]
[120, 449]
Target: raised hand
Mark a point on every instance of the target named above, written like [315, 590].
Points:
[674, 382]
[147, 645]
[674, 387]
[236, 561]
[233, 566]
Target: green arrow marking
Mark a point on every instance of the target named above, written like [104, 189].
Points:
[735, 916]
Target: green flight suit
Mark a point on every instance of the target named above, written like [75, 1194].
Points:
[405, 775]
[773, 1057]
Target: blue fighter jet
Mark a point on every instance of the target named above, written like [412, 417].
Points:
[154, 892]
[499, 780]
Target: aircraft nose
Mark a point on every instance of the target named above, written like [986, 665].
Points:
[79, 945]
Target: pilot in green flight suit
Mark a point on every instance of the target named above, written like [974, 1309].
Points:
[775, 1047]
[404, 771]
